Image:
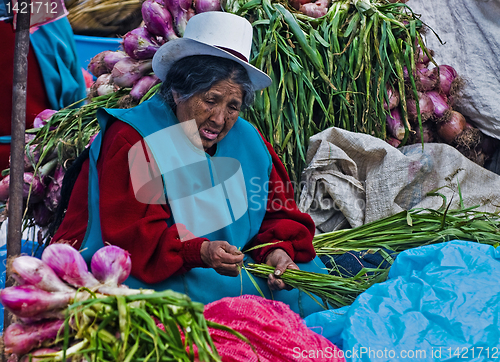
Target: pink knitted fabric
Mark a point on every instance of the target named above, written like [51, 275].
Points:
[276, 332]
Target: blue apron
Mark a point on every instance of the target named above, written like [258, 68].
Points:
[236, 177]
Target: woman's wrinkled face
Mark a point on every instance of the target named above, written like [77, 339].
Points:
[214, 111]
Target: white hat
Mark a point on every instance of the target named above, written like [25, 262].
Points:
[214, 33]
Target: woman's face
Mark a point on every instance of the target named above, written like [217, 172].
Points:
[214, 111]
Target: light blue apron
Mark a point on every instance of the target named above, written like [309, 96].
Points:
[238, 174]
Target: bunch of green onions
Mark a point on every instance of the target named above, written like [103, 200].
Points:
[334, 291]
[329, 71]
[65, 311]
[411, 229]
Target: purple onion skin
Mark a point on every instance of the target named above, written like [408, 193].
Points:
[31, 157]
[69, 265]
[315, 9]
[128, 71]
[143, 85]
[53, 194]
[425, 104]
[37, 188]
[42, 118]
[395, 125]
[4, 188]
[440, 102]
[427, 79]
[447, 74]
[97, 66]
[111, 58]
[27, 301]
[111, 265]
[158, 19]
[393, 142]
[38, 354]
[393, 96]
[37, 191]
[138, 45]
[179, 10]
[201, 6]
[21, 339]
[41, 214]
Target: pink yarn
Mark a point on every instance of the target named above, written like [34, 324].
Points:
[275, 331]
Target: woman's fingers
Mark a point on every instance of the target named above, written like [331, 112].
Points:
[224, 258]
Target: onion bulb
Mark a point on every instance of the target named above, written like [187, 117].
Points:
[440, 102]
[450, 129]
[447, 75]
[394, 124]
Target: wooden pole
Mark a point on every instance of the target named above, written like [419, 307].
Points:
[18, 127]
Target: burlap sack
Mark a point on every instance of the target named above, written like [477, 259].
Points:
[357, 178]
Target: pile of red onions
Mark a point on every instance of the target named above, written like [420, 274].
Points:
[164, 20]
[47, 286]
[438, 90]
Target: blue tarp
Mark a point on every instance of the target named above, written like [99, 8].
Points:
[440, 303]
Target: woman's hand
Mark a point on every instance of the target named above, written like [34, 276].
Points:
[280, 260]
[223, 257]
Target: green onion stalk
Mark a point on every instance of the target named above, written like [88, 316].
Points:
[329, 71]
[411, 229]
[329, 291]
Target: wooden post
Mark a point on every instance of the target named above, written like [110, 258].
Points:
[15, 212]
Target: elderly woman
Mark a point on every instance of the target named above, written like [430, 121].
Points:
[185, 185]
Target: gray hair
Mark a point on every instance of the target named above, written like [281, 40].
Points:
[198, 73]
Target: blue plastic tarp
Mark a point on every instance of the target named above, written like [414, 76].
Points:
[440, 303]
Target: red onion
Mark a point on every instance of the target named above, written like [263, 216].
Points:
[447, 75]
[393, 96]
[315, 9]
[97, 66]
[395, 125]
[111, 265]
[53, 193]
[38, 355]
[31, 157]
[201, 6]
[41, 214]
[43, 117]
[21, 339]
[450, 129]
[138, 44]
[69, 265]
[179, 10]
[422, 56]
[425, 104]
[158, 19]
[440, 102]
[103, 86]
[29, 301]
[4, 188]
[28, 270]
[128, 71]
[37, 191]
[426, 79]
[111, 58]
[393, 142]
[143, 85]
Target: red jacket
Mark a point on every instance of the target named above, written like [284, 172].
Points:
[124, 220]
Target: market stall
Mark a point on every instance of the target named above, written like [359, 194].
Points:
[378, 133]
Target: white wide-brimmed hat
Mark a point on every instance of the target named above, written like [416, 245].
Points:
[216, 33]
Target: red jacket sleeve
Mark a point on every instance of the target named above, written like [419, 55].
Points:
[283, 222]
[156, 250]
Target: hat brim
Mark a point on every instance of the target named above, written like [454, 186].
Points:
[176, 49]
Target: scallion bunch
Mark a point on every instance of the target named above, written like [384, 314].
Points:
[413, 228]
[329, 291]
